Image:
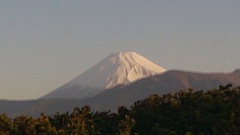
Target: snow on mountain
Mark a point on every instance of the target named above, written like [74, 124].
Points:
[119, 68]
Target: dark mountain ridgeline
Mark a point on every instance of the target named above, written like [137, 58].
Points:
[169, 82]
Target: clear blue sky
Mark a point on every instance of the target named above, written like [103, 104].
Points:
[46, 43]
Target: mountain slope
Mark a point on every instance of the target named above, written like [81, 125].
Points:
[120, 68]
[168, 82]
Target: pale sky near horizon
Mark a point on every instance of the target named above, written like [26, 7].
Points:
[44, 44]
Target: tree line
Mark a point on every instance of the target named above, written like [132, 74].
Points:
[187, 112]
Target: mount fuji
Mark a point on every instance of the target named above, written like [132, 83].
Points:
[119, 68]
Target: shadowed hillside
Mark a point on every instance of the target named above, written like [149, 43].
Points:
[169, 82]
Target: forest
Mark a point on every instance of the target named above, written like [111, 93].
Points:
[187, 112]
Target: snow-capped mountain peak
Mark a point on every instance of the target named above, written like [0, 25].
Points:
[119, 68]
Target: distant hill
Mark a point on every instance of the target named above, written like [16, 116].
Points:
[168, 82]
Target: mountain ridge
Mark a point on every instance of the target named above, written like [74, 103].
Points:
[125, 95]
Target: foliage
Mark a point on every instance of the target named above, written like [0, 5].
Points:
[187, 112]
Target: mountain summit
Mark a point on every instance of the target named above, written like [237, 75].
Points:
[119, 68]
